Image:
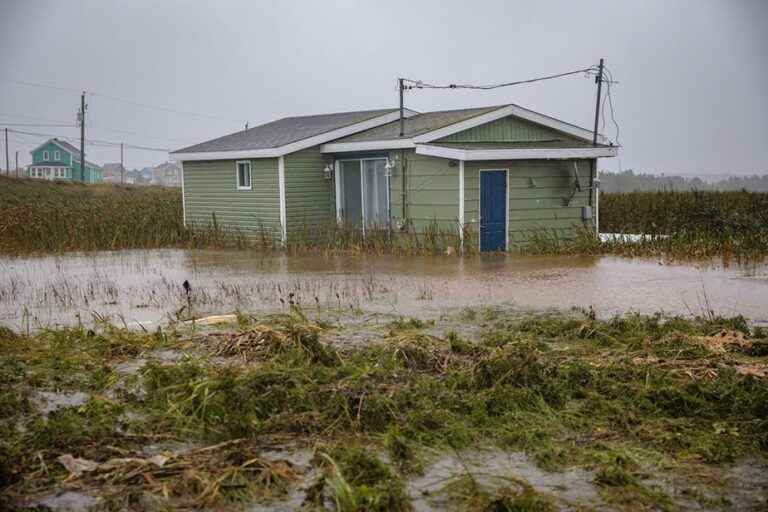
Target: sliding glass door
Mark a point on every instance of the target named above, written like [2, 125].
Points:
[352, 198]
[364, 192]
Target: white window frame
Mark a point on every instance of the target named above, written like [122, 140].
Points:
[46, 156]
[57, 155]
[237, 175]
[340, 189]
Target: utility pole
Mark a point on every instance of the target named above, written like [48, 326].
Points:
[17, 164]
[594, 177]
[81, 118]
[599, 81]
[7, 164]
[121, 163]
[400, 86]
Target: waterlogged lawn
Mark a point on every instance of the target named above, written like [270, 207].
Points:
[486, 409]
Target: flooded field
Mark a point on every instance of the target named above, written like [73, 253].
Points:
[146, 286]
[484, 409]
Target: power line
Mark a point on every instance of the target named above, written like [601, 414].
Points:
[128, 101]
[40, 125]
[90, 125]
[419, 84]
[95, 142]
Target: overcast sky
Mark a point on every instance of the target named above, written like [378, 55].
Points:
[692, 95]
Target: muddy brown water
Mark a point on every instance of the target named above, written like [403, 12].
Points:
[146, 286]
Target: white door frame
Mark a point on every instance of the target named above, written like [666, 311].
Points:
[339, 190]
[480, 208]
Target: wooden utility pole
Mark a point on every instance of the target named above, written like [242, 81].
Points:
[17, 164]
[599, 81]
[7, 164]
[594, 177]
[83, 106]
[121, 163]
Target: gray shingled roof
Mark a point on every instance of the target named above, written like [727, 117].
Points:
[418, 124]
[284, 131]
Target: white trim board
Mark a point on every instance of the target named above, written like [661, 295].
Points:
[372, 145]
[293, 146]
[281, 187]
[516, 154]
[461, 202]
[183, 197]
[510, 110]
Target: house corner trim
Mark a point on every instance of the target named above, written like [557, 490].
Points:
[281, 190]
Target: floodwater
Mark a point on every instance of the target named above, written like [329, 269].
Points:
[146, 286]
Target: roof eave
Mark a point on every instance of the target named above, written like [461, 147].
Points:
[517, 153]
[293, 147]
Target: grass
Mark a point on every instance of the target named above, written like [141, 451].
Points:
[623, 398]
[40, 216]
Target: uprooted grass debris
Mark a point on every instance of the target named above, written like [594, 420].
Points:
[621, 398]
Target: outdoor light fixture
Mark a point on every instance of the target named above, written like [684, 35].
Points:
[388, 167]
[328, 172]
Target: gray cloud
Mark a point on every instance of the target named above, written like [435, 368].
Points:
[693, 74]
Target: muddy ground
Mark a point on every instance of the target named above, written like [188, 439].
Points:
[471, 409]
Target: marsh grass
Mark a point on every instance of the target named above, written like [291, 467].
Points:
[615, 396]
[39, 216]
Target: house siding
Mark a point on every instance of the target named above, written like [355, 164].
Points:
[536, 192]
[432, 192]
[309, 197]
[66, 157]
[210, 187]
[507, 129]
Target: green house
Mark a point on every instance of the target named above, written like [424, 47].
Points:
[501, 173]
[56, 159]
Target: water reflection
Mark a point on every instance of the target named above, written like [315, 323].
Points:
[146, 285]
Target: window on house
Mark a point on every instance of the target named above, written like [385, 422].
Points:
[45, 156]
[244, 175]
[57, 155]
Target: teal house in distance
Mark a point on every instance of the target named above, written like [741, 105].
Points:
[56, 159]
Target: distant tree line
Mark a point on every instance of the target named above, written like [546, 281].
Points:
[629, 181]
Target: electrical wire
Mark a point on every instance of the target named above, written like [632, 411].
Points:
[419, 84]
[94, 142]
[127, 101]
[37, 125]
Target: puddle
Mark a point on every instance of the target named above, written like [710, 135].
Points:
[49, 401]
[301, 460]
[494, 470]
[747, 484]
[145, 287]
[67, 501]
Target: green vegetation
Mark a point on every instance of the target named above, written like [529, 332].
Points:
[625, 399]
[630, 181]
[46, 216]
[40, 216]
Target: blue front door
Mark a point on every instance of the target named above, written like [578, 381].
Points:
[493, 210]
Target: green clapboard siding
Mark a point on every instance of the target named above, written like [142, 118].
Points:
[536, 192]
[309, 196]
[507, 129]
[64, 156]
[210, 187]
[432, 191]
